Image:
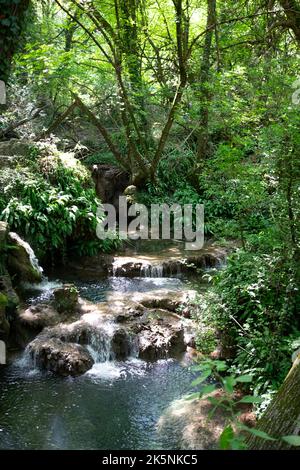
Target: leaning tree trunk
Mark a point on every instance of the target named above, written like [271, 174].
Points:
[282, 417]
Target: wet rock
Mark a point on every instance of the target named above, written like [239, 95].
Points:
[21, 261]
[7, 289]
[190, 420]
[172, 301]
[39, 316]
[60, 358]
[161, 341]
[66, 298]
[121, 345]
[77, 332]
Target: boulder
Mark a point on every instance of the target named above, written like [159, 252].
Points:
[3, 235]
[161, 341]
[190, 418]
[4, 324]
[65, 359]
[39, 316]
[15, 147]
[9, 162]
[121, 345]
[9, 302]
[110, 183]
[21, 261]
[66, 298]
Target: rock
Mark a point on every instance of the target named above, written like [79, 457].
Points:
[11, 295]
[15, 147]
[39, 316]
[226, 348]
[66, 298]
[3, 235]
[4, 324]
[161, 341]
[77, 332]
[130, 193]
[110, 183]
[120, 344]
[21, 260]
[130, 190]
[60, 358]
[190, 419]
[9, 162]
[9, 302]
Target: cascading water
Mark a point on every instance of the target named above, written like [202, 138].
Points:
[100, 343]
[31, 255]
[153, 271]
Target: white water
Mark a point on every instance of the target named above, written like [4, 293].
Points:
[152, 271]
[121, 266]
[32, 257]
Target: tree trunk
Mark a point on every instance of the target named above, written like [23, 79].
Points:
[205, 94]
[11, 23]
[292, 12]
[282, 417]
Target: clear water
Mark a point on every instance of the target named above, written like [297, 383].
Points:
[98, 291]
[113, 406]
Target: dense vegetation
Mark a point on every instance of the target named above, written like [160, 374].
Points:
[197, 101]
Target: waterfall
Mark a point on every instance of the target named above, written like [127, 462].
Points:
[153, 271]
[100, 344]
[131, 267]
[27, 248]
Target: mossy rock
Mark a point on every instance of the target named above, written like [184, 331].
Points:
[66, 298]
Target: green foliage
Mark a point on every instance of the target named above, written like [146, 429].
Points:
[53, 204]
[229, 399]
[254, 299]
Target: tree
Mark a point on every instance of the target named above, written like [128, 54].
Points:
[12, 16]
[116, 32]
[282, 417]
[204, 85]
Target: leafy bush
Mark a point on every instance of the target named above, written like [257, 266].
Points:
[254, 300]
[52, 203]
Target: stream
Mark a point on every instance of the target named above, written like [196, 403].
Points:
[115, 405]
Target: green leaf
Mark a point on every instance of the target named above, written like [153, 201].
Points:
[258, 433]
[229, 383]
[244, 378]
[251, 399]
[192, 396]
[226, 437]
[292, 440]
[207, 389]
[202, 378]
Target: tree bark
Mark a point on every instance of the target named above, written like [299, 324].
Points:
[292, 13]
[11, 14]
[205, 94]
[282, 417]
